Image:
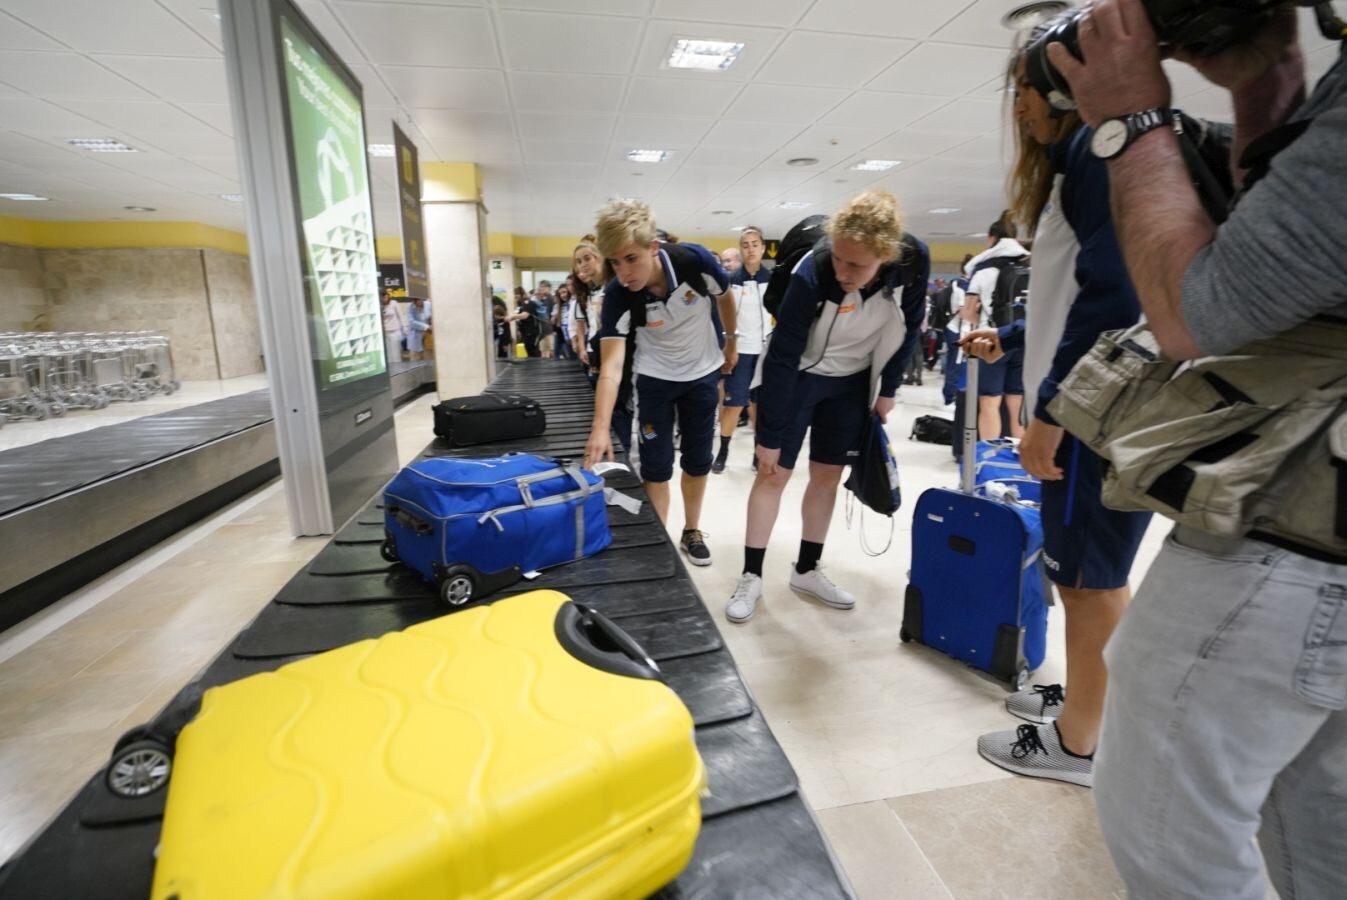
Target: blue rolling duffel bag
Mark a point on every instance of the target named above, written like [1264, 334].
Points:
[976, 591]
[473, 526]
[999, 462]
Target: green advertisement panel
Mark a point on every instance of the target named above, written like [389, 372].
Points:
[327, 136]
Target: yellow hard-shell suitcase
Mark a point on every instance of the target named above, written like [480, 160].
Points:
[522, 749]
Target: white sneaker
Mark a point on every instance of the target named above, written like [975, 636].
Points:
[744, 601]
[820, 587]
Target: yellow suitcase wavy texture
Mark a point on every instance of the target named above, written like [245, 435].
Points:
[495, 752]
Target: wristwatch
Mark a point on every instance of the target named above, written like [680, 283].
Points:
[1113, 136]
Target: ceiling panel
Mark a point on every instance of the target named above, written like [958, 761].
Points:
[910, 144]
[677, 97]
[542, 42]
[980, 23]
[322, 18]
[127, 26]
[867, 108]
[538, 126]
[762, 137]
[565, 92]
[218, 115]
[15, 35]
[40, 119]
[143, 119]
[62, 76]
[970, 115]
[433, 88]
[169, 78]
[943, 70]
[403, 34]
[464, 125]
[660, 131]
[814, 58]
[896, 18]
[782, 103]
[741, 12]
[638, 8]
[565, 152]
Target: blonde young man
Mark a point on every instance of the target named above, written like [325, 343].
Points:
[846, 326]
[755, 324]
[674, 298]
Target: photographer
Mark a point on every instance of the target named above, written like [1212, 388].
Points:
[1228, 675]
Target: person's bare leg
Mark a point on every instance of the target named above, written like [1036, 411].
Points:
[820, 497]
[1014, 403]
[989, 418]
[764, 503]
[1091, 616]
[753, 416]
[694, 490]
[729, 420]
[658, 491]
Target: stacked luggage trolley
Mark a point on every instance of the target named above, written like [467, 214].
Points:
[44, 374]
[758, 837]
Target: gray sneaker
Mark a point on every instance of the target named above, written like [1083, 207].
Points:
[1037, 752]
[1039, 704]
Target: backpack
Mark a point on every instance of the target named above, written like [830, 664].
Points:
[1012, 286]
[800, 240]
[933, 430]
[940, 309]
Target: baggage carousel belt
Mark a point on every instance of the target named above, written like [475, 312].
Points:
[348, 593]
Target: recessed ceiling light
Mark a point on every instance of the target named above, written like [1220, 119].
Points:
[1030, 14]
[944, 210]
[232, 198]
[380, 149]
[140, 208]
[976, 234]
[25, 197]
[738, 228]
[793, 204]
[706, 56]
[802, 161]
[101, 145]
[722, 212]
[876, 165]
[648, 156]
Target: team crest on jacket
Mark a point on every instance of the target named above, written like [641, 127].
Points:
[689, 297]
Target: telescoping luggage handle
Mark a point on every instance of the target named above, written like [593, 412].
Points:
[596, 640]
[968, 466]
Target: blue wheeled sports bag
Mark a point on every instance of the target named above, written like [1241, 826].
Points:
[472, 526]
[999, 462]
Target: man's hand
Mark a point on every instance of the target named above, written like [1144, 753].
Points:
[598, 448]
[1121, 74]
[1235, 68]
[1038, 450]
[731, 357]
[768, 460]
[883, 406]
[984, 343]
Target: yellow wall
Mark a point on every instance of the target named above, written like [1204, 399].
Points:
[36, 233]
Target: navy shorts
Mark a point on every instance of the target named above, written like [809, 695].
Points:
[738, 382]
[1086, 544]
[695, 403]
[1014, 361]
[992, 377]
[834, 411]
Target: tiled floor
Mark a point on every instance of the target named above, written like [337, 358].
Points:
[882, 734]
[22, 432]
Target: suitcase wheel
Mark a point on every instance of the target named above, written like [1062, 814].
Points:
[140, 768]
[388, 550]
[457, 588]
[1020, 680]
[905, 636]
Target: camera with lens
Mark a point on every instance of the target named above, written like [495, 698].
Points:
[1201, 27]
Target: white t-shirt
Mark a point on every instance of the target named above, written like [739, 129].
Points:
[1051, 292]
[845, 337]
[752, 320]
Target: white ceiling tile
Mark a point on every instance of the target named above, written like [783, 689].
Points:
[762, 137]
[127, 26]
[660, 131]
[64, 76]
[206, 142]
[980, 23]
[910, 144]
[217, 115]
[942, 70]
[141, 118]
[542, 42]
[373, 91]
[741, 12]
[637, 8]
[447, 150]
[432, 88]
[395, 33]
[813, 58]
[781, 103]
[565, 92]
[221, 165]
[40, 119]
[867, 108]
[543, 171]
[970, 115]
[588, 152]
[539, 126]
[830, 144]
[676, 97]
[464, 125]
[660, 34]
[192, 80]
[15, 35]
[331, 30]
[891, 18]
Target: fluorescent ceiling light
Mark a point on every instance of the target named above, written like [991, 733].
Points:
[802, 161]
[944, 210]
[976, 234]
[232, 198]
[707, 56]
[793, 204]
[738, 228]
[33, 197]
[722, 212]
[101, 145]
[876, 165]
[380, 149]
[140, 208]
[650, 156]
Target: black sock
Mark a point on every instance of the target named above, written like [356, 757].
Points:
[724, 447]
[1065, 749]
[810, 554]
[753, 560]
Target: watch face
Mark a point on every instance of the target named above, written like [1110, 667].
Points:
[1109, 139]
